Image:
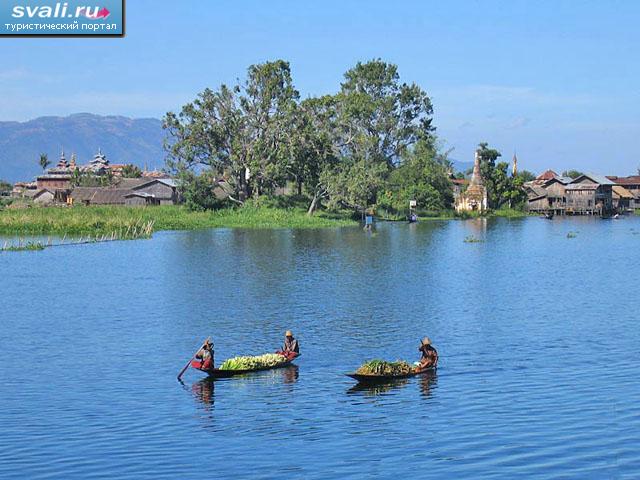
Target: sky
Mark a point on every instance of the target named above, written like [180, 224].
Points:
[554, 81]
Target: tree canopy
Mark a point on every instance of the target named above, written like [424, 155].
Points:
[371, 143]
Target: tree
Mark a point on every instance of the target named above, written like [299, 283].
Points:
[44, 161]
[501, 188]
[131, 171]
[198, 191]
[5, 187]
[313, 153]
[572, 173]
[423, 177]
[380, 117]
[239, 132]
[355, 185]
[377, 121]
[526, 176]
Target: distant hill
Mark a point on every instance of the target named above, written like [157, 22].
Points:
[122, 140]
[459, 166]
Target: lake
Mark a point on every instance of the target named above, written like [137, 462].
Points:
[537, 333]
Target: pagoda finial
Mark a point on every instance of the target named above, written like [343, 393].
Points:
[514, 171]
[476, 178]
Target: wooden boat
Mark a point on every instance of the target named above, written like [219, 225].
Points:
[365, 378]
[217, 373]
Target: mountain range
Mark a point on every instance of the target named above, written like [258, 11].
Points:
[121, 139]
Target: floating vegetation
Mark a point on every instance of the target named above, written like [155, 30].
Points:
[382, 367]
[268, 360]
[572, 234]
[26, 247]
[472, 239]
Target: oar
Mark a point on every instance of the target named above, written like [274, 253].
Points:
[191, 359]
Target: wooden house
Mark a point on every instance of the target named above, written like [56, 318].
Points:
[632, 185]
[590, 194]
[622, 199]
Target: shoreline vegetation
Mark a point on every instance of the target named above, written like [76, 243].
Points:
[120, 222]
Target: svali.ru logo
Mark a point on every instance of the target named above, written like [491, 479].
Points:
[61, 10]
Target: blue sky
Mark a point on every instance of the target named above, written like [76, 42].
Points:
[555, 81]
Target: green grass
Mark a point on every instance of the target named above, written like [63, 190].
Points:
[508, 213]
[107, 220]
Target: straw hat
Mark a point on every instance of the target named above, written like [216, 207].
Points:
[288, 333]
[426, 341]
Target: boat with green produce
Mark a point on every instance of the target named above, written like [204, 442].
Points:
[247, 364]
[381, 371]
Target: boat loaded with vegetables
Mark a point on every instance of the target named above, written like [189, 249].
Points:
[247, 364]
[378, 371]
[203, 360]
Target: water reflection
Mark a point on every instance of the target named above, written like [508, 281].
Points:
[204, 392]
[375, 389]
[428, 383]
[290, 374]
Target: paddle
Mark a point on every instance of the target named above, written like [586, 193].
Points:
[191, 359]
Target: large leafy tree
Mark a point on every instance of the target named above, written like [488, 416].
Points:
[424, 176]
[238, 132]
[380, 117]
[378, 121]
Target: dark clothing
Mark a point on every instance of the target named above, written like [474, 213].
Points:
[429, 356]
[290, 345]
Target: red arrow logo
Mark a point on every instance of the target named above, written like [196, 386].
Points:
[104, 13]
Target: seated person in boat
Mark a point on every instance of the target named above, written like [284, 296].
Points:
[429, 354]
[290, 347]
[205, 355]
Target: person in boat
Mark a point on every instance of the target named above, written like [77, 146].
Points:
[429, 357]
[206, 355]
[291, 346]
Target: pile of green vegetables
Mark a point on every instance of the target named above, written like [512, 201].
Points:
[253, 363]
[381, 367]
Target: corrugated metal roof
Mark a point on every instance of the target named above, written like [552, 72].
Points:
[100, 195]
[565, 180]
[601, 179]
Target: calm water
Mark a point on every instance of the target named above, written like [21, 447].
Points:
[538, 335]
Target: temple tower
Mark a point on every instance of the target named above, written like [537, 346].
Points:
[474, 198]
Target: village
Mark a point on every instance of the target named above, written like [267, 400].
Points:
[548, 194]
[62, 185]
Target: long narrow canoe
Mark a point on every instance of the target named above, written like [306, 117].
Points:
[217, 373]
[365, 378]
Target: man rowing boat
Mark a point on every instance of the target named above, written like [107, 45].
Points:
[429, 357]
[206, 355]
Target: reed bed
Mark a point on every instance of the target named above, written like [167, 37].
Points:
[101, 221]
[138, 230]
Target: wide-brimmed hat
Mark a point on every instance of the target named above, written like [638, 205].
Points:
[426, 341]
[288, 333]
